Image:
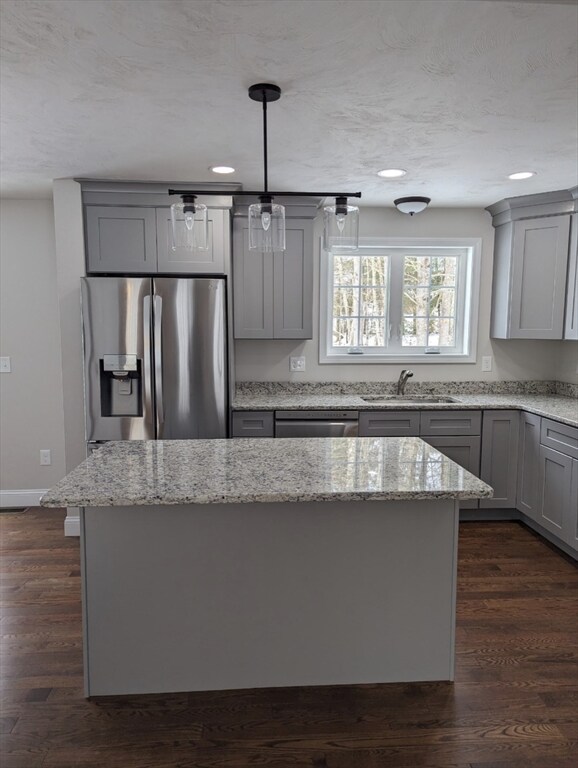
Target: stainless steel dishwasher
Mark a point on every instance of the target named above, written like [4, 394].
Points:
[316, 423]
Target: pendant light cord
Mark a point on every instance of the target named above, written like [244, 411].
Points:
[265, 179]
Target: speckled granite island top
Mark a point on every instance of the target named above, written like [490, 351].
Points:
[563, 409]
[167, 472]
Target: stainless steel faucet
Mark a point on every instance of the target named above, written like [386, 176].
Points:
[402, 381]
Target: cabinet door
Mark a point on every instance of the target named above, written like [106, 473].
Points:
[572, 539]
[555, 499]
[500, 457]
[273, 293]
[571, 322]
[450, 423]
[389, 424]
[120, 239]
[540, 257]
[293, 283]
[465, 451]
[213, 261]
[529, 465]
[252, 287]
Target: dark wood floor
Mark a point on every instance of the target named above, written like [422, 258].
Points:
[514, 703]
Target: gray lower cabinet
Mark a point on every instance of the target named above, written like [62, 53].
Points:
[273, 294]
[529, 465]
[573, 525]
[499, 458]
[253, 424]
[465, 451]
[557, 510]
[389, 423]
[137, 239]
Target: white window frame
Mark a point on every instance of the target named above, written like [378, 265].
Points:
[467, 296]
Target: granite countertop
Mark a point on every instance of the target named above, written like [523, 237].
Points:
[166, 472]
[557, 407]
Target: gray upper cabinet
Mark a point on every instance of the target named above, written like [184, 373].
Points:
[571, 320]
[120, 239]
[530, 261]
[128, 231]
[500, 457]
[534, 286]
[273, 294]
[198, 262]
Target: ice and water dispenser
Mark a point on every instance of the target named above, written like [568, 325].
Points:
[120, 385]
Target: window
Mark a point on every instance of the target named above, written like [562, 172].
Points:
[400, 300]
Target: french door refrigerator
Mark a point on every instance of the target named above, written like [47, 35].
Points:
[155, 358]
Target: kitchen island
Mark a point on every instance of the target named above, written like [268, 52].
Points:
[218, 564]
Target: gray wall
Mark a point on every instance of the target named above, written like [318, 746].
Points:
[513, 359]
[31, 408]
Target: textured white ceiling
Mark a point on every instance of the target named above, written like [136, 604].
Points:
[458, 92]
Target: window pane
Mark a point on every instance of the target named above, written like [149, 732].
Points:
[346, 270]
[415, 301]
[372, 332]
[373, 302]
[416, 270]
[345, 332]
[414, 332]
[447, 332]
[443, 270]
[345, 302]
[374, 270]
[443, 302]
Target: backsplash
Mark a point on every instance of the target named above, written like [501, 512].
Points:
[418, 387]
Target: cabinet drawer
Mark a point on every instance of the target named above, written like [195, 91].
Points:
[253, 424]
[389, 424]
[434, 423]
[560, 437]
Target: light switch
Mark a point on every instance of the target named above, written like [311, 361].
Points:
[487, 363]
[5, 366]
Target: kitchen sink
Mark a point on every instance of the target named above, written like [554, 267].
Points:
[408, 399]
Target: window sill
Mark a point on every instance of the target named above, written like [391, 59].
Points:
[385, 359]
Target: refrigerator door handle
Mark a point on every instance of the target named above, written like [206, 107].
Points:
[147, 372]
[158, 345]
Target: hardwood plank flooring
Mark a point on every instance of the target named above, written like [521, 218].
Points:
[514, 703]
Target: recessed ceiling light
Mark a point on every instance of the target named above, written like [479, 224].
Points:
[391, 173]
[522, 175]
[222, 169]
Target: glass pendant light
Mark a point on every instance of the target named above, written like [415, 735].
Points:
[341, 226]
[190, 225]
[266, 226]
[266, 219]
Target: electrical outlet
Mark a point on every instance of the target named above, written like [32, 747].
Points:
[487, 363]
[296, 363]
[45, 457]
[5, 366]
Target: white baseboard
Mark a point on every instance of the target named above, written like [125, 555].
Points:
[26, 498]
[72, 522]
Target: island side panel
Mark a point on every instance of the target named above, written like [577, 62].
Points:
[212, 597]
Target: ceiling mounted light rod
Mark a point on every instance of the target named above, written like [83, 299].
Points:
[267, 219]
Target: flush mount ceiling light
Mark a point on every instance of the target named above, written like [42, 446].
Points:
[222, 169]
[412, 205]
[392, 173]
[266, 218]
[522, 175]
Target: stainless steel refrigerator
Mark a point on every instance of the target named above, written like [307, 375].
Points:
[155, 358]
